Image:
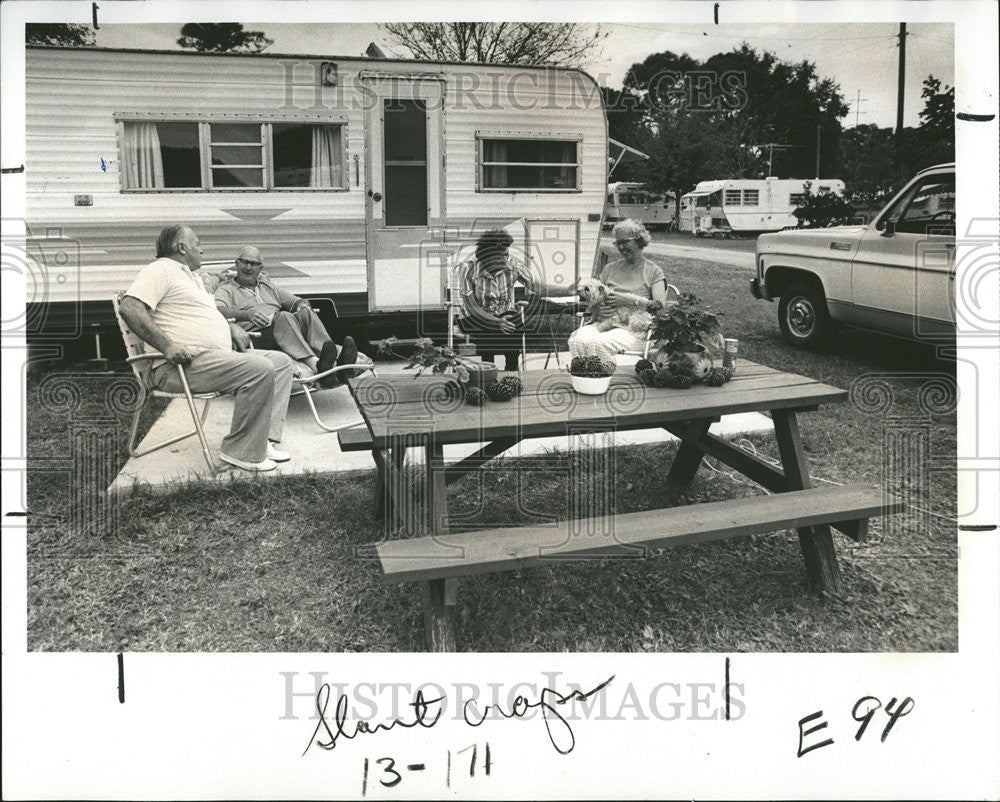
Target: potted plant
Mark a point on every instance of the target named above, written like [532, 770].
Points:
[686, 338]
[591, 373]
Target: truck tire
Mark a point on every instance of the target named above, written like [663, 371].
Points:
[803, 317]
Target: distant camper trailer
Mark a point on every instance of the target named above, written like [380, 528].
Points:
[629, 200]
[748, 205]
[359, 179]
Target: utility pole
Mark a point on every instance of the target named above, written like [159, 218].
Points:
[771, 147]
[899, 93]
[857, 109]
[818, 129]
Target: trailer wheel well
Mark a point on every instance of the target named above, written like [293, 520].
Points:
[778, 279]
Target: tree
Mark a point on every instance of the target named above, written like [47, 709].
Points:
[222, 37]
[555, 44]
[820, 211]
[784, 102]
[60, 34]
[936, 135]
[867, 165]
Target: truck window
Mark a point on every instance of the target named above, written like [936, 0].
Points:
[928, 208]
[545, 164]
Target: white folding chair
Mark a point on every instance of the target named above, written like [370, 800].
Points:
[141, 361]
[307, 385]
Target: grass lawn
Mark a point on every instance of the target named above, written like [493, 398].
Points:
[281, 565]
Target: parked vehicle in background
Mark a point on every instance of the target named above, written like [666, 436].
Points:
[895, 274]
[629, 200]
[748, 205]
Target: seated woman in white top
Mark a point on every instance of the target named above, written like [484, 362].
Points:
[633, 281]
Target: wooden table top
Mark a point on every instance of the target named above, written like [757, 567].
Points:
[548, 406]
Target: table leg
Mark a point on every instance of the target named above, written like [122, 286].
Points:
[438, 594]
[689, 455]
[816, 542]
[381, 485]
[390, 490]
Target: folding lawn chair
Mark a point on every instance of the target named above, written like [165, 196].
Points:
[141, 361]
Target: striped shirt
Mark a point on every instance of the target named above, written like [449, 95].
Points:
[494, 292]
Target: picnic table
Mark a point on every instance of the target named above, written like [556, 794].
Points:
[402, 412]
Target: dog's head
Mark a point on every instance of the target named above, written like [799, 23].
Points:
[591, 290]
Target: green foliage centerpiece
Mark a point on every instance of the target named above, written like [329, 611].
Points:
[686, 338]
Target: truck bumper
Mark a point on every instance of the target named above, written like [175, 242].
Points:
[758, 291]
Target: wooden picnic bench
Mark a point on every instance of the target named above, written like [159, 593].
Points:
[402, 413]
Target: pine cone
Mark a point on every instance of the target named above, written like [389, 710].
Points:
[514, 383]
[647, 376]
[663, 378]
[454, 390]
[716, 378]
[728, 372]
[499, 391]
[475, 396]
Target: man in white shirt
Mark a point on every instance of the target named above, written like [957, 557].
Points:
[168, 307]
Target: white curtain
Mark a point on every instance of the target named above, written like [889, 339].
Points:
[495, 150]
[143, 161]
[325, 167]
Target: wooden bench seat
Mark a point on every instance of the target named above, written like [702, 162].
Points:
[356, 439]
[483, 551]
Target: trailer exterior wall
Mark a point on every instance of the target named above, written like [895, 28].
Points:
[314, 241]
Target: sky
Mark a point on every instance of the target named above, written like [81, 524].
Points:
[860, 57]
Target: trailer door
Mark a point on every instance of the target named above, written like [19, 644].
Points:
[405, 195]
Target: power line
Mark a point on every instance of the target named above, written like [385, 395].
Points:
[743, 36]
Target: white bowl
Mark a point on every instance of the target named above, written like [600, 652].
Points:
[590, 386]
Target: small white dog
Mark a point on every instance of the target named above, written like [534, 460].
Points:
[593, 292]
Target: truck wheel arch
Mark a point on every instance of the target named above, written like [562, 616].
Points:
[779, 277]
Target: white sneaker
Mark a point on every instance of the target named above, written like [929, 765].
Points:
[276, 454]
[263, 465]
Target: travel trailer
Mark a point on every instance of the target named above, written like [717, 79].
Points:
[360, 179]
[627, 199]
[748, 205]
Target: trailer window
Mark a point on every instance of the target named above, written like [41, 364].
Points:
[797, 198]
[732, 197]
[169, 155]
[306, 155]
[520, 164]
[161, 155]
[405, 162]
[751, 197]
[236, 151]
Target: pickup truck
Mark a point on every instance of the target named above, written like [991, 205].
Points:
[895, 274]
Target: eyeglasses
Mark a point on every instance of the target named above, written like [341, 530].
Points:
[249, 262]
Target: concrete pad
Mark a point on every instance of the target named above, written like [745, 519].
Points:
[315, 451]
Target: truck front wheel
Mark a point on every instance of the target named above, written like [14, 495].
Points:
[803, 317]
